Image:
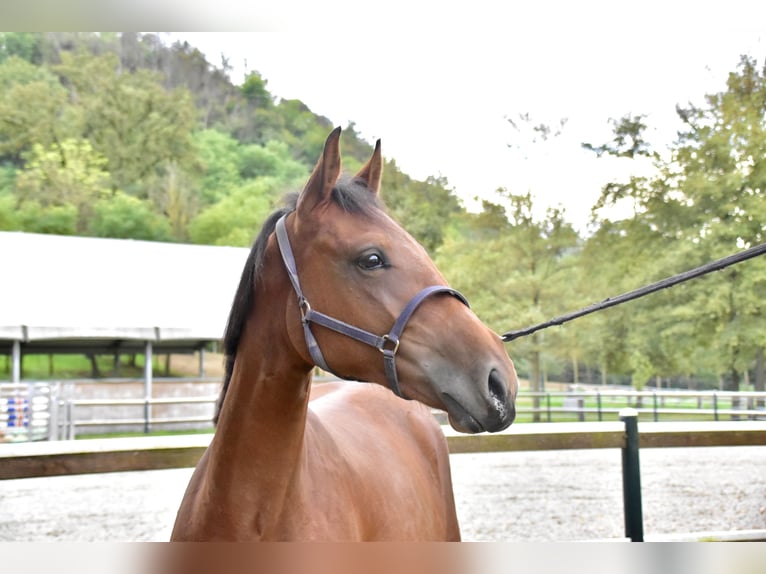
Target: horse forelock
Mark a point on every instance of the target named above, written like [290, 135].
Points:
[350, 194]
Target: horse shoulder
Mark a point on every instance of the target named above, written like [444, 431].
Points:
[394, 450]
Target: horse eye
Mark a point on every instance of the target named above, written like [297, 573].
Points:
[370, 261]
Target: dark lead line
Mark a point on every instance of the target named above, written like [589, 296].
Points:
[636, 293]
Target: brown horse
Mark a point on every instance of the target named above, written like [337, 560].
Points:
[343, 461]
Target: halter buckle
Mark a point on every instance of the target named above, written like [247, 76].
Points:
[388, 339]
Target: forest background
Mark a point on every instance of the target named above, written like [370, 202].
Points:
[120, 135]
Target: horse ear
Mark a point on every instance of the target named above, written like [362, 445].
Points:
[372, 172]
[326, 172]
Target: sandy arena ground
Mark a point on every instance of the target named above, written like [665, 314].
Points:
[522, 496]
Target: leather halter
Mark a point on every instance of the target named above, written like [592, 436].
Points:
[387, 344]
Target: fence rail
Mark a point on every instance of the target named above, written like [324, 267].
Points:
[53, 414]
[712, 405]
[24, 460]
[572, 406]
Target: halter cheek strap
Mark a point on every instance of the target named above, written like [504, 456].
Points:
[387, 344]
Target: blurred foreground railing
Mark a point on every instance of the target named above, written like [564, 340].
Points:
[36, 459]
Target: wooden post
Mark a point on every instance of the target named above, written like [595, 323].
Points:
[631, 478]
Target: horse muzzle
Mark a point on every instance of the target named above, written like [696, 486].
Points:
[493, 411]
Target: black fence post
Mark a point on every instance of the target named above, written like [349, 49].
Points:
[631, 478]
[715, 406]
[598, 402]
[548, 403]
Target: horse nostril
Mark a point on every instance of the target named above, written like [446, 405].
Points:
[498, 396]
[498, 391]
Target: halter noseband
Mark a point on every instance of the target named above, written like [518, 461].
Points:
[387, 344]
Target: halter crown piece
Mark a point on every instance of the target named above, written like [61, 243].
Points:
[387, 344]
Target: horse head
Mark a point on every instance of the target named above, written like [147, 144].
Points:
[371, 301]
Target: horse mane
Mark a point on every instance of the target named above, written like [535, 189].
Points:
[350, 194]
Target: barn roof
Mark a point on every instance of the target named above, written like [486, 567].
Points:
[68, 294]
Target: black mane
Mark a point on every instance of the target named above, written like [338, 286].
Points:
[350, 194]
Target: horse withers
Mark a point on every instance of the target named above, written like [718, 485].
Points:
[333, 281]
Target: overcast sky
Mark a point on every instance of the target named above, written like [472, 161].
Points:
[438, 93]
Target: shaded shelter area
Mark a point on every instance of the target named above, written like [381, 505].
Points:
[94, 296]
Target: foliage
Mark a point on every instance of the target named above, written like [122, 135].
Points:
[218, 154]
[125, 216]
[29, 47]
[131, 119]
[708, 200]
[70, 174]
[121, 135]
[424, 208]
[162, 125]
[255, 92]
[32, 109]
[628, 139]
[236, 218]
[513, 268]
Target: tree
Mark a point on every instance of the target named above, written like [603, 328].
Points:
[25, 45]
[303, 131]
[271, 160]
[67, 175]
[33, 109]
[255, 92]
[174, 133]
[515, 270]
[424, 208]
[237, 217]
[628, 139]
[55, 219]
[219, 156]
[7, 178]
[706, 201]
[123, 216]
[174, 193]
[130, 118]
[185, 69]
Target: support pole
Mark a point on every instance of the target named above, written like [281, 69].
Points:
[16, 362]
[631, 478]
[148, 387]
[54, 393]
[202, 362]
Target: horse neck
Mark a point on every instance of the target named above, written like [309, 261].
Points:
[260, 433]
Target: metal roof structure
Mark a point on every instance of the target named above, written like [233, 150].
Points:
[65, 294]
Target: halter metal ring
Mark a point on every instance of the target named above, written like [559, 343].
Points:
[303, 305]
[388, 339]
